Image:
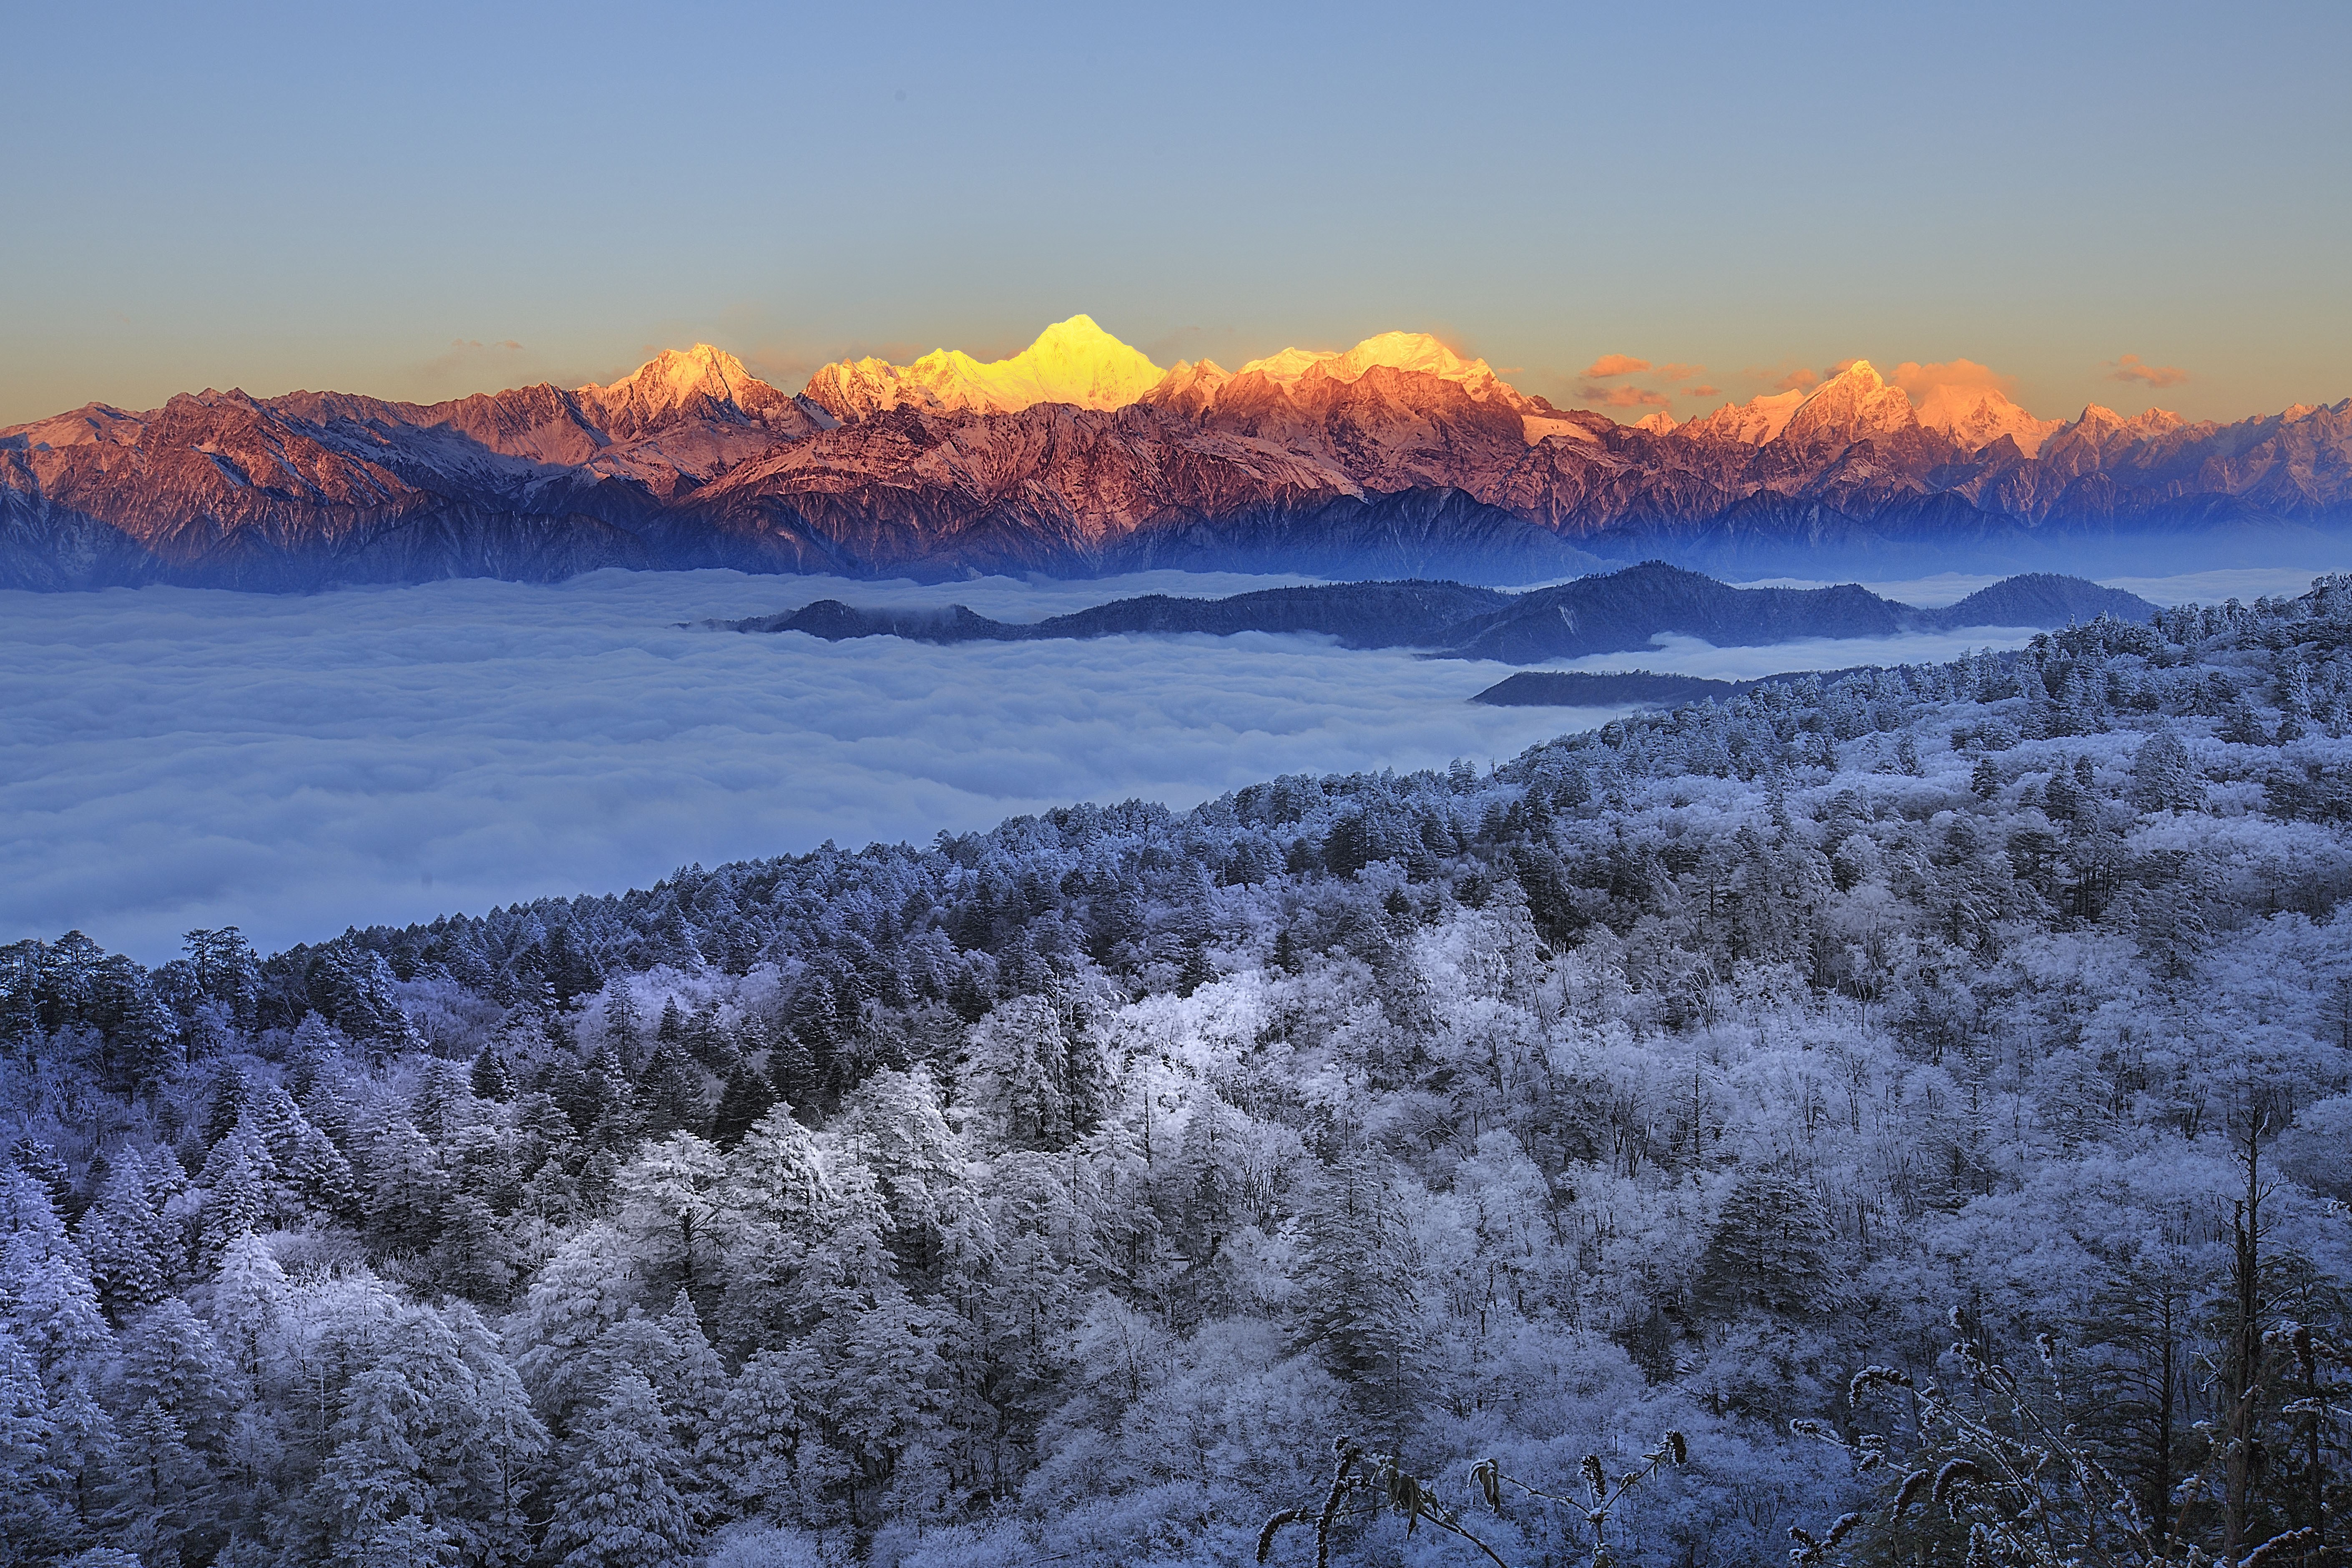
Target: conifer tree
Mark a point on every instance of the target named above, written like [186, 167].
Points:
[668, 1202]
[375, 1482]
[757, 1433]
[407, 1192]
[170, 1357]
[164, 1489]
[241, 1190]
[1357, 1275]
[440, 1103]
[34, 1521]
[86, 1451]
[1769, 1250]
[692, 1387]
[249, 1299]
[491, 1080]
[133, 1245]
[46, 1297]
[230, 1091]
[745, 1099]
[618, 1502]
[494, 1463]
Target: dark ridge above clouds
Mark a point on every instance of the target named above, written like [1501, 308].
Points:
[1615, 613]
[2039, 599]
[1578, 688]
[1359, 615]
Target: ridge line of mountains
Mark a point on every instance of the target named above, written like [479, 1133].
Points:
[1080, 458]
[1616, 612]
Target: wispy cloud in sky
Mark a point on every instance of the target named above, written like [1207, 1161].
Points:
[1621, 396]
[1919, 380]
[2131, 368]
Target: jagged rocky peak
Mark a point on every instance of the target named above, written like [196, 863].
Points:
[680, 374]
[683, 380]
[93, 424]
[1753, 423]
[1857, 403]
[703, 388]
[1307, 460]
[1854, 404]
[1418, 353]
[1977, 416]
[1080, 356]
[1074, 361]
[1310, 377]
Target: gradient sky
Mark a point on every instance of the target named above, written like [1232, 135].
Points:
[421, 201]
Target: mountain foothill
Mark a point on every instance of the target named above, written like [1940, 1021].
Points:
[1079, 457]
[1615, 612]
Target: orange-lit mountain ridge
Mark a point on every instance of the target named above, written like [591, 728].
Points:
[1080, 455]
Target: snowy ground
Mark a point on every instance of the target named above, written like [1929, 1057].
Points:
[176, 758]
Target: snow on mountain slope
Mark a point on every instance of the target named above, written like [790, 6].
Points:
[1080, 447]
[1416, 352]
[1977, 416]
[701, 382]
[1753, 423]
[1851, 405]
[1306, 375]
[91, 424]
[1073, 361]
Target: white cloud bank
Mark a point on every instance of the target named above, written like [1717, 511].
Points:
[174, 758]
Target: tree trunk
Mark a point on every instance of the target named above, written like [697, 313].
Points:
[2160, 1489]
[2246, 1345]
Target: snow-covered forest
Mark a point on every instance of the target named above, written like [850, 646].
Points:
[1923, 1094]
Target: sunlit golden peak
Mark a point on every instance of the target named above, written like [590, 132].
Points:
[1073, 361]
[1417, 351]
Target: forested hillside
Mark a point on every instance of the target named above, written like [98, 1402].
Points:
[1850, 1079]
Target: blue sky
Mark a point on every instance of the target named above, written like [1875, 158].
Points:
[383, 198]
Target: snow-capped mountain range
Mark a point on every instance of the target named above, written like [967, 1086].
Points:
[1079, 454]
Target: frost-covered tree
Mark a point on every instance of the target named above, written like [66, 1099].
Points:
[374, 1481]
[618, 1503]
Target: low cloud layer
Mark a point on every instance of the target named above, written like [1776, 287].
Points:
[180, 758]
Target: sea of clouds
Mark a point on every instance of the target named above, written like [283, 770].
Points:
[176, 758]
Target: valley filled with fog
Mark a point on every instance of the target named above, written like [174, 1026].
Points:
[178, 758]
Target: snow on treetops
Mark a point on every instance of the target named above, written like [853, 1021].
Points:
[1420, 1146]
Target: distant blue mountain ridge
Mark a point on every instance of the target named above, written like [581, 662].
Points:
[1609, 613]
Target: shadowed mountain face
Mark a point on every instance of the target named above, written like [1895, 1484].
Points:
[1617, 613]
[2040, 599]
[1395, 458]
[1359, 614]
